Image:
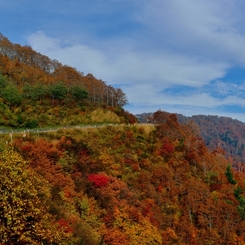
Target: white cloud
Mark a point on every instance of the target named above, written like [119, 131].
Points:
[129, 67]
[42, 43]
[207, 28]
[188, 43]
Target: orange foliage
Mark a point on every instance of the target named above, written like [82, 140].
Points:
[168, 188]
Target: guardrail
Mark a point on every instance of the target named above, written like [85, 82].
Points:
[46, 130]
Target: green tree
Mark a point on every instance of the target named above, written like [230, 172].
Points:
[12, 95]
[23, 196]
[78, 93]
[39, 91]
[3, 83]
[229, 175]
[58, 91]
[241, 207]
[28, 92]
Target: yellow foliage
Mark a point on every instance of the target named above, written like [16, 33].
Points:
[148, 128]
[138, 232]
[106, 159]
[23, 196]
[100, 116]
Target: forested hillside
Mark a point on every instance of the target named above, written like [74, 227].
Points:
[223, 132]
[120, 185]
[218, 132]
[36, 91]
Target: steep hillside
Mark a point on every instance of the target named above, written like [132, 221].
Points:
[36, 91]
[153, 184]
[120, 185]
[217, 132]
[224, 132]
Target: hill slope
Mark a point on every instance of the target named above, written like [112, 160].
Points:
[130, 185]
[36, 91]
[217, 132]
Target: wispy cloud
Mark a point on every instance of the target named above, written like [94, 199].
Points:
[151, 47]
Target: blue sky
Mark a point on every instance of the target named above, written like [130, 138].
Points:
[179, 56]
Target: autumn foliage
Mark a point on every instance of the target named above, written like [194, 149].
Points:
[132, 185]
[99, 180]
[118, 184]
[36, 91]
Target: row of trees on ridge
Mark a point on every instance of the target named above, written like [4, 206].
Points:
[38, 77]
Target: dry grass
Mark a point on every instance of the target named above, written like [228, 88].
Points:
[101, 116]
[77, 132]
[148, 128]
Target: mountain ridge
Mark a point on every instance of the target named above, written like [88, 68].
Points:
[36, 91]
[217, 132]
[124, 184]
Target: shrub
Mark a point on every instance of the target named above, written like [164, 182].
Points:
[99, 180]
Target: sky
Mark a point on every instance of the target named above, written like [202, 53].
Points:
[183, 57]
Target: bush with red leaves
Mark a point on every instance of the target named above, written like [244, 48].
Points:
[167, 148]
[64, 224]
[99, 180]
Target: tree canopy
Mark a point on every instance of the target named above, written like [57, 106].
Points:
[24, 196]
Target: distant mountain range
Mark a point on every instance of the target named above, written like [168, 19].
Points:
[217, 132]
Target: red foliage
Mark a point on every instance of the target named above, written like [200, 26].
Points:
[64, 224]
[26, 148]
[167, 148]
[44, 156]
[147, 209]
[159, 188]
[215, 187]
[99, 180]
[136, 167]
[129, 134]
